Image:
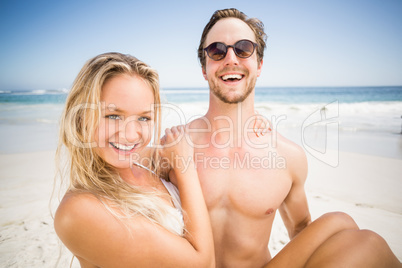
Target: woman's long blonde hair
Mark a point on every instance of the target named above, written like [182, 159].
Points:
[88, 172]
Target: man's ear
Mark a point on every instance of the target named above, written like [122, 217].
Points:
[259, 68]
[204, 73]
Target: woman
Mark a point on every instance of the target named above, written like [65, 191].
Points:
[116, 214]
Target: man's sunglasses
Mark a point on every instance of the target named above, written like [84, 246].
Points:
[243, 49]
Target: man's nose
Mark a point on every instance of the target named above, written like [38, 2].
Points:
[231, 57]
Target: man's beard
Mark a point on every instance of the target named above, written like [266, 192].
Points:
[224, 96]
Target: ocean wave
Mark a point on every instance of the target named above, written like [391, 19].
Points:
[185, 91]
[46, 121]
[28, 121]
[36, 92]
[351, 117]
[391, 107]
[31, 107]
[370, 111]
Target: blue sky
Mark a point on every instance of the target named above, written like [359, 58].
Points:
[311, 43]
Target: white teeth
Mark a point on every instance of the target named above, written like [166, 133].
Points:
[122, 147]
[231, 76]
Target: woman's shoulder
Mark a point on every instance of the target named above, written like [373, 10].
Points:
[88, 227]
[72, 197]
[91, 232]
[74, 202]
[75, 210]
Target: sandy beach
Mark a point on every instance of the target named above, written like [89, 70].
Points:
[366, 187]
[364, 182]
[327, 77]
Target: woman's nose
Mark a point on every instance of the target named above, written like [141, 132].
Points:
[131, 129]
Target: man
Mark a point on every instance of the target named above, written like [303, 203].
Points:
[246, 178]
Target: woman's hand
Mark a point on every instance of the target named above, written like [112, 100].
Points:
[176, 148]
[261, 125]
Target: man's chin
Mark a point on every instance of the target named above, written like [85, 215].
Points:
[231, 98]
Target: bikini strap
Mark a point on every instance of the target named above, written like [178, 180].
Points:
[144, 167]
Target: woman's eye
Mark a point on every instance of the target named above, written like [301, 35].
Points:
[113, 116]
[144, 119]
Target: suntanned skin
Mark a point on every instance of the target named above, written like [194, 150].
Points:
[242, 199]
[242, 196]
[95, 236]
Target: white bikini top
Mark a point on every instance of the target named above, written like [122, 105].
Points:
[175, 223]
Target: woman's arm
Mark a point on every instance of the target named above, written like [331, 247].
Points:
[94, 235]
[196, 218]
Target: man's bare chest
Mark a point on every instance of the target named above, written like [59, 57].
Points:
[251, 183]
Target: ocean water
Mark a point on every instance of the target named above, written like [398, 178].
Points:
[298, 95]
[371, 115]
[373, 109]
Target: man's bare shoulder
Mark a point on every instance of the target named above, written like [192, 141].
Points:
[294, 154]
[287, 147]
[197, 128]
[199, 123]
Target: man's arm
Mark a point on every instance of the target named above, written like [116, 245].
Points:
[294, 210]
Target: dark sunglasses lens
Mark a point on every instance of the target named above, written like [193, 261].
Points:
[244, 48]
[216, 51]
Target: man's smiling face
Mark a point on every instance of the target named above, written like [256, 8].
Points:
[232, 78]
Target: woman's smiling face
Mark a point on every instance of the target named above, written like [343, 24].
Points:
[126, 121]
